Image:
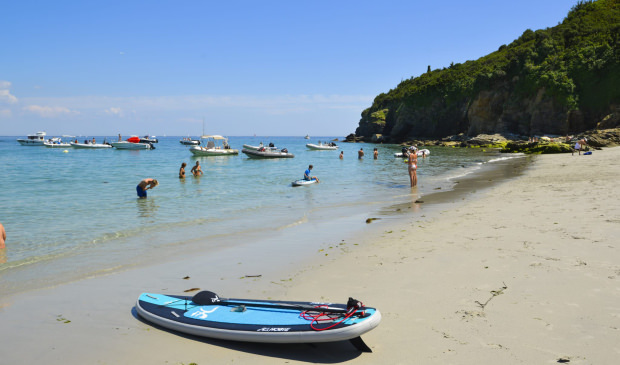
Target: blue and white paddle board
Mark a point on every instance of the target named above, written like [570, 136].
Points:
[303, 182]
[259, 320]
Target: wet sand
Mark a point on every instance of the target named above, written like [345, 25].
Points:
[525, 271]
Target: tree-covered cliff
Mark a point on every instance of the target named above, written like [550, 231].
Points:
[558, 80]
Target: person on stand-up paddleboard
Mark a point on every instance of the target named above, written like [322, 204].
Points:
[307, 175]
[145, 185]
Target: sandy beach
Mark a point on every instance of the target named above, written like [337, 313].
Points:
[524, 272]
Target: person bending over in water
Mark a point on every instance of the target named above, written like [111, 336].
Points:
[182, 171]
[307, 175]
[412, 165]
[145, 185]
[196, 170]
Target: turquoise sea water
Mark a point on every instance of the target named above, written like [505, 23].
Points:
[82, 203]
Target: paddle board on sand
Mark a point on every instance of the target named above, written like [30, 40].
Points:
[206, 314]
[303, 182]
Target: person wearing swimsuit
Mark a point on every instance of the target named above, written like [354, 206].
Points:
[412, 166]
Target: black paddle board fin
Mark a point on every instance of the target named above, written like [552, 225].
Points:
[360, 345]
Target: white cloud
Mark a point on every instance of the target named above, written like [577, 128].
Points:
[5, 113]
[5, 94]
[49, 111]
[273, 103]
[115, 111]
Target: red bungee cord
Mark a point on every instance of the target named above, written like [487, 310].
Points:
[324, 316]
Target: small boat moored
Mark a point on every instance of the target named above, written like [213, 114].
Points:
[250, 147]
[264, 321]
[126, 145]
[132, 143]
[189, 142]
[147, 139]
[215, 146]
[37, 139]
[322, 146]
[266, 153]
[56, 143]
[90, 145]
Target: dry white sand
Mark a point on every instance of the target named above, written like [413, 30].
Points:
[527, 272]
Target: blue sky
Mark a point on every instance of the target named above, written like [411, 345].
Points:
[266, 67]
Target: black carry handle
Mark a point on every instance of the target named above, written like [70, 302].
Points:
[210, 298]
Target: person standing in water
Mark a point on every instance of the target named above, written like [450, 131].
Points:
[182, 171]
[360, 153]
[196, 170]
[412, 165]
[341, 155]
[375, 153]
[145, 185]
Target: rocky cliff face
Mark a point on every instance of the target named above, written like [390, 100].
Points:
[497, 110]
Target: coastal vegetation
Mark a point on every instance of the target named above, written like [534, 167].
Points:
[555, 81]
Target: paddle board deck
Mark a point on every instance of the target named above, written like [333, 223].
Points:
[264, 321]
[303, 182]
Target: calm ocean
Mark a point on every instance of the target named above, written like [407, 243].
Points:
[80, 207]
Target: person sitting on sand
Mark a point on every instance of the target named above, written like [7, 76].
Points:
[307, 176]
[182, 171]
[196, 170]
[145, 185]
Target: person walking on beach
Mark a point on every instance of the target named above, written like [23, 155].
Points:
[307, 175]
[375, 153]
[412, 165]
[182, 171]
[196, 170]
[2, 237]
[145, 185]
[360, 153]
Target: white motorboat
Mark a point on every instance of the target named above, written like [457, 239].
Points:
[189, 142]
[149, 139]
[214, 145]
[126, 145]
[265, 153]
[250, 147]
[37, 139]
[56, 143]
[90, 145]
[322, 146]
[421, 153]
[307, 137]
